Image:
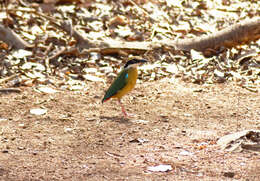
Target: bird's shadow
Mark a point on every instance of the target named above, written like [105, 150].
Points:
[115, 118]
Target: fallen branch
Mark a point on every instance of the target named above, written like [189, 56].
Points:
[238, 34]
[12, 39]
[81, 41]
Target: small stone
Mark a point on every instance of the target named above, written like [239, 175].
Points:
[34, 153]
[140, 121]
[22, 126]
[229, 174]
[187, 115]
[68, 130]
[3, 119]
[139, 140]
[200, 174]
[198, 90]
[20, 148]
[185, 153]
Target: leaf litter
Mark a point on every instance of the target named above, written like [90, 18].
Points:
[191, 67]
[126, 21]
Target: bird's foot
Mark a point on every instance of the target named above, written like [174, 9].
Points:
[128, 115]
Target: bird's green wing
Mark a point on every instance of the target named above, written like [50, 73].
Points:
[117, 85]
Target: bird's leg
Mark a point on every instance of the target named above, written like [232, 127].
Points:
[123, 109]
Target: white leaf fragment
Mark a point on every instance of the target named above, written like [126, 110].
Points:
[140, 121]
[22, 53]
[185, 153]
[76, 87]
[160, 168]
[38, 111]
[47, 90]
[93, 78]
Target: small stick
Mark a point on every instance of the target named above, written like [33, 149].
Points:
[7, 78]
[7, 90]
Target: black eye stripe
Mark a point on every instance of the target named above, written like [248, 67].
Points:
[133, 61]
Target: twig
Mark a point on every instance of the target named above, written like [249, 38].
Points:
[114, 155]
[47, 59]
[139, 8]
[62, 50]
[253, 147]
[252, 89]
[7, 78]
[37, 13]
[9, 90]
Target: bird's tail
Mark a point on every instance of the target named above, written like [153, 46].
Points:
[105, 99]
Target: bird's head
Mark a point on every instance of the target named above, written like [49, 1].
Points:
[134, 62]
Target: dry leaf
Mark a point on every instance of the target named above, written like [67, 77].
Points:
[47, 90]
[93, 78]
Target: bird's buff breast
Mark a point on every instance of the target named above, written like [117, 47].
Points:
[131, 81]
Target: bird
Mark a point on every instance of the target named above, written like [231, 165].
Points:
[124, 82]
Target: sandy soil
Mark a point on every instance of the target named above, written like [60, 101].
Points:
[175, 123]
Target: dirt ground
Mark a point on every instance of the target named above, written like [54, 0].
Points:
[175, 123]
